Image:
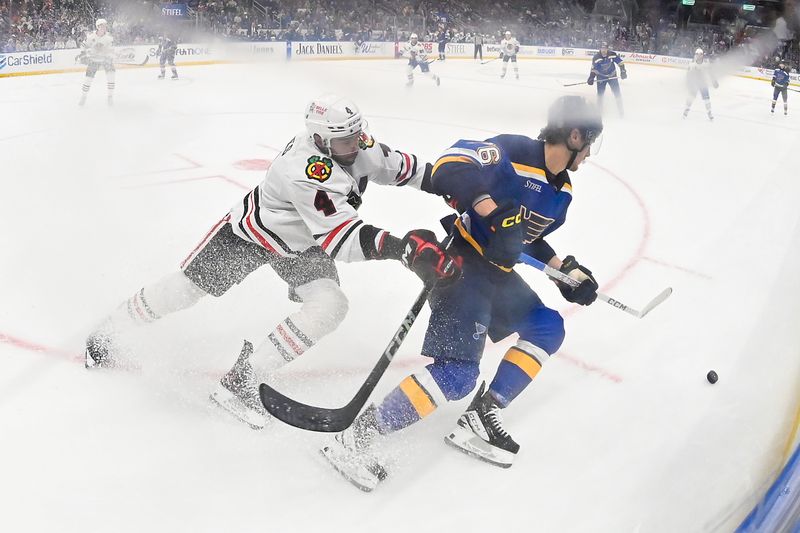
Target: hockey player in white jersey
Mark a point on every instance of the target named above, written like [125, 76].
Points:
[698, 77]
[509, 47]
[298, 220]
[417, 57]
[99, 51]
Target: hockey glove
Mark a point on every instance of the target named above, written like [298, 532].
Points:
[583, 294]
[424, 256]
[623, 73]
[590, 81]
[773, 83]
[716, 84]
[505, 236]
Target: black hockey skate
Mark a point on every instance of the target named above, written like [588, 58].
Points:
[480, 433]
[237, 391]
[99, 349]
[349, 452]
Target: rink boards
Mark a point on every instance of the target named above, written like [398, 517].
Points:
[55, 61]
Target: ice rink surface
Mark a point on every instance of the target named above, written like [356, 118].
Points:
[620, 432]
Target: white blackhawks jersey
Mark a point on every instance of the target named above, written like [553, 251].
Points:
[306, 198]
[99, 49]
[415, 51]
[699, 74]
[509, 47]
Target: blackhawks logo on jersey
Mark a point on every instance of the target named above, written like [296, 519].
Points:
[319, 168]
[365, 141]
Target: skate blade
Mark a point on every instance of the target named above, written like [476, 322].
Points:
[467, 442]
[365, 485]
[233, 405]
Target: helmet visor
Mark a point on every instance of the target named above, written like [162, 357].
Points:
[344, 150]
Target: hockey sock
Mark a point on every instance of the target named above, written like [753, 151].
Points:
[110, 79]
[707, 102]
[163, 70]
[324, 308]
[421, 393]
[505, 68]
[87, 84]
[289, 341]
[416, 397]
[174, 72]
[172, 293]
[517, 369]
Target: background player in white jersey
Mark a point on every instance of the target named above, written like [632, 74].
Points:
[301, 217]
[99, 52]
[697, 80]
[509, 47]
[417, 57]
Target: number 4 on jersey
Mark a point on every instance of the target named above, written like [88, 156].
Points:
[323, 203]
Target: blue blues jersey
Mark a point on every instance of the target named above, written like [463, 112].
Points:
[780, 78]
[605, 67]
[511, 170]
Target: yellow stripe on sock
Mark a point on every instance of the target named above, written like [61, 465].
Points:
[525, 362]
[417, 396]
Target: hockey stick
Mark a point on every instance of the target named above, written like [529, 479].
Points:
[489, 61]
[793, 90]
[586, 82]
[560, 276]
[131, 63]
[324, 419]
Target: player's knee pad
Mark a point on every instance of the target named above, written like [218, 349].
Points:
[545, 329]
[324, 308]
[451, 379]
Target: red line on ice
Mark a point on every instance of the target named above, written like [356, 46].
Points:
[34, 347]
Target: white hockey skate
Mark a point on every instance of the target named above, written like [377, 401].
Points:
[349, 453]
[480, 433]
[237, 392]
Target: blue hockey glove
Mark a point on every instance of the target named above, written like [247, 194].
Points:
[505, 238]
[590, 81]
[623, 73]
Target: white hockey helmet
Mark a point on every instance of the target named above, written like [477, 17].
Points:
[413, 37]
[101, 22]
[698, 52]
[508, 34]
[333, 117]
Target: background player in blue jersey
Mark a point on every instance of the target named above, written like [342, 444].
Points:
[604, 68]
[166, 56]
[780, 80]
[511, 191]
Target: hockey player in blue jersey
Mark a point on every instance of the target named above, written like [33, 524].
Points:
[604, 68]
[780, 81]
[511, 191]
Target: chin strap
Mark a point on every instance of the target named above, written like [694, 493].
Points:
[575, 153]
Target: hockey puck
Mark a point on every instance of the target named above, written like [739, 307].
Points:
[712, 377]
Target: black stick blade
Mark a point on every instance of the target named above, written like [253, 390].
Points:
[305, 416]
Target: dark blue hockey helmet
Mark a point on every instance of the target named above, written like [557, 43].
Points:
[571, 112]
